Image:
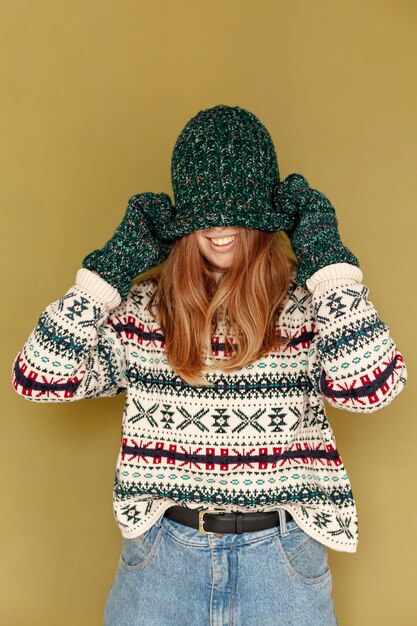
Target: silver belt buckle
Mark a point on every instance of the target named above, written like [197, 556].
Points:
[201, 515]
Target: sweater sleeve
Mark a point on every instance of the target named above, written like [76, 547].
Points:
[75, 351]
[354, 361]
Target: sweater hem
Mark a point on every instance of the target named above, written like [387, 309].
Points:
[131, 534]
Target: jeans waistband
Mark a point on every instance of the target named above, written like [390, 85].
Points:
[217, 521]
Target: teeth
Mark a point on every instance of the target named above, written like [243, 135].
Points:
[222, 242]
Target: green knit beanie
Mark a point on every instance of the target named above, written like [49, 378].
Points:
[224, 172]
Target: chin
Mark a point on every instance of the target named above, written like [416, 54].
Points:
[221, 264]
[213, 265]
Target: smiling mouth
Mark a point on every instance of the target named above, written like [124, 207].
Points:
[223, 243]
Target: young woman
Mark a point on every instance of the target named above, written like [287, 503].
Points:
[229, 487]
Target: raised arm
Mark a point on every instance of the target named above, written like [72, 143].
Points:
[353, 359]
[75, 351]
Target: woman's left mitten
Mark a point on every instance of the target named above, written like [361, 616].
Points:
[315, 238]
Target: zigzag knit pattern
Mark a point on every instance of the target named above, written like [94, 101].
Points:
[258, 440]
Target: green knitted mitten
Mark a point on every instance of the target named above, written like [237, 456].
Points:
[135, 246]
[314, 232]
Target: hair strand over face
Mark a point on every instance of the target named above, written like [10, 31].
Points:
[188, 303]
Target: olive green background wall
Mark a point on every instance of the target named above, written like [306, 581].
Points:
[93, 96]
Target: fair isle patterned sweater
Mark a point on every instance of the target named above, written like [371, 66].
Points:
[260, 438]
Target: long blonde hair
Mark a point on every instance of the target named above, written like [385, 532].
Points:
[188, 302]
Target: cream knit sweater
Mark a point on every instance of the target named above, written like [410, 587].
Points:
[260, 439]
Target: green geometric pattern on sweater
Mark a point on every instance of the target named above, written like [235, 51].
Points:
[259, 439]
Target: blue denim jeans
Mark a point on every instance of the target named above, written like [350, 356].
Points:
[173, 575]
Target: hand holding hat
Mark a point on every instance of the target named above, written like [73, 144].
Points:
[314, 232]
[135, 246]
[224, 173]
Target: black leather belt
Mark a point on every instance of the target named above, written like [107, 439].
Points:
[217, 521]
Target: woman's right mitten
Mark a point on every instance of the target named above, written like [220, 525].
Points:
[135, 246]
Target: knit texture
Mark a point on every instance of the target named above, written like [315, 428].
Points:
[135, 247]
[224, 172]
[260, 439]
[315, 235]
[99, 287]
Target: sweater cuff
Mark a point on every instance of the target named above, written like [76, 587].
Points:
[333, 275]
[99, 287]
